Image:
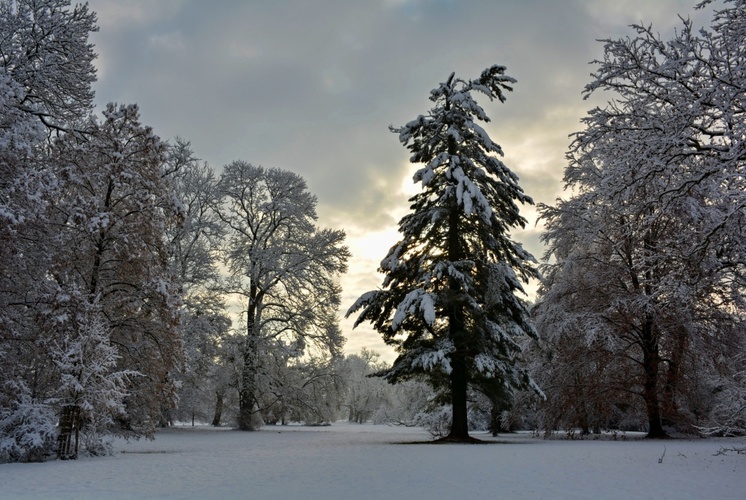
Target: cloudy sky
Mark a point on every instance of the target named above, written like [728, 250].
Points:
[312, 87]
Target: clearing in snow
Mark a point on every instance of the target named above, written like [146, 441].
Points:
[374, 461]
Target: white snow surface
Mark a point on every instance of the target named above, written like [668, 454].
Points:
[351, 461]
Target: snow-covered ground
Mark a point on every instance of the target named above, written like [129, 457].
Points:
[349, 461]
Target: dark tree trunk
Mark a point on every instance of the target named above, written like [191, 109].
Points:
[218, 415]
[247, 394]
[650, 346]
[459, 383]
[670, 408]
[500, 402]
[494, 420]
[651, 367]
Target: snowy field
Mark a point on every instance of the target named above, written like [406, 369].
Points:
[349, 461]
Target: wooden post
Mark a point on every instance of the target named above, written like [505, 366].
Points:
[67, 442]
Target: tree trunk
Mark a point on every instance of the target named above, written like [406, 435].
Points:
[670, 408]
[247, 394]
[499, 403]
[459, 383]
[218, 408]
[494, 420]
[651, 367]
[459, 373]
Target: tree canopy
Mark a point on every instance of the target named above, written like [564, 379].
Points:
[648, 255]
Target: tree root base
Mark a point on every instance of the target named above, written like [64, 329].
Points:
[458, 440]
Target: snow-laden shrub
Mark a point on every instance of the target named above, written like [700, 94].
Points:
[96, 443]
[404, 402]
[728, 415]
[437, 422]
[28, 432]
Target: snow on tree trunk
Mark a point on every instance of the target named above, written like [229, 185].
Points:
[247, 416]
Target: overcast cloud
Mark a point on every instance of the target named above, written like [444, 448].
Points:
[312, 86]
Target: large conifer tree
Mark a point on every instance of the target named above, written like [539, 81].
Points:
[448, 300]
